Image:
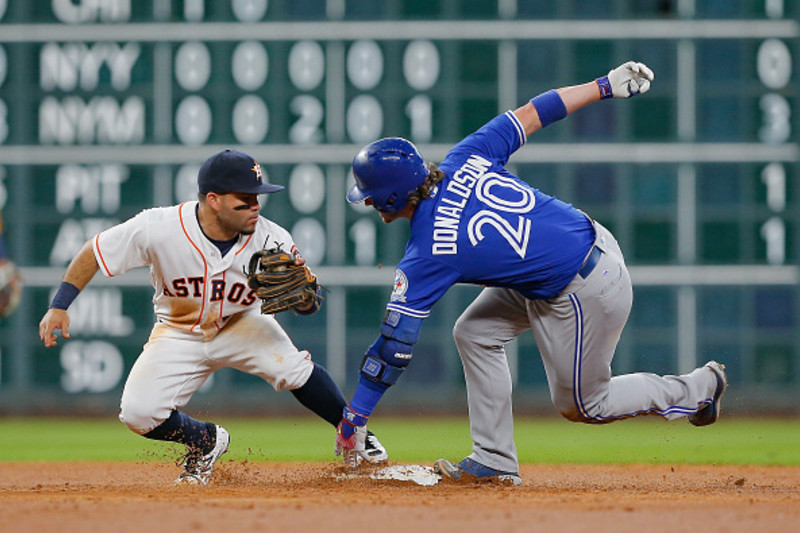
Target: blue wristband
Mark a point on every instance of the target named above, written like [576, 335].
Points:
[605, 87]
[67, 292]
[550, 107]
[354, 418]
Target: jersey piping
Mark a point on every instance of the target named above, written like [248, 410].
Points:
[244, 244]
[523, 138]
[102, 259]
[408, 311]
[221, 303]
[205, 267]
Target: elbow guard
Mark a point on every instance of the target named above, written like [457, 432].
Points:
[385, 361]
[389, 356]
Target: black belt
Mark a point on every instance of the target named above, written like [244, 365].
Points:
[590, 262]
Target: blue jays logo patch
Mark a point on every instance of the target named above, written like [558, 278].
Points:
[400, 286]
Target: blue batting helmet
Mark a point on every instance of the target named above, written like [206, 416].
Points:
[386, 171]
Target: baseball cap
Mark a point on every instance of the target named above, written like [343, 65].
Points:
[233, 171]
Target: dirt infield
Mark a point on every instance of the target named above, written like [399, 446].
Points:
[140, 497]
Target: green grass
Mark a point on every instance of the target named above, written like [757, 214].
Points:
[539, 440]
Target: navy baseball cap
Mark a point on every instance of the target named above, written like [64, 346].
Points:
[233, 171]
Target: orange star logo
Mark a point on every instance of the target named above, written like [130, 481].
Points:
[257, 170]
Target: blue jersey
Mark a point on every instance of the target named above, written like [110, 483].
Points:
[485, 226]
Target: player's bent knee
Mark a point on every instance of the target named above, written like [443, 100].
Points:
[573, 415]
[466, 330]
[292, 376]
[141, 420]
[587, 415]
[565, 403]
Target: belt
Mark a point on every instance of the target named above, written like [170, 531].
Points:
[590, 262]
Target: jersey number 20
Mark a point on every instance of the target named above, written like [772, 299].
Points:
[517, 237]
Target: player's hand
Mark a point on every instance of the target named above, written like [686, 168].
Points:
[630, 79]
[54, 319]
[351, 443]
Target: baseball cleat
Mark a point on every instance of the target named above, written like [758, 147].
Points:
[197, 468]
[375, 451]
[710, 413]
[474, 469]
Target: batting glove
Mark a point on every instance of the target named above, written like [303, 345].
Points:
[628, 79]
[351, 442]
[351, 437]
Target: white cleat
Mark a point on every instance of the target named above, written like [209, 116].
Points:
[375, 451]
[197, 469]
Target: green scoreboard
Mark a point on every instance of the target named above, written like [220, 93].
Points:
[108, 107]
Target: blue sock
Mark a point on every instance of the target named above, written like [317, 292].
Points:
[321, 395]
[180, 427]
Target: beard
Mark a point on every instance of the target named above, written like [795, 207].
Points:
[235, 224]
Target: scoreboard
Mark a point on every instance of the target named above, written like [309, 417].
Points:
[108, 107]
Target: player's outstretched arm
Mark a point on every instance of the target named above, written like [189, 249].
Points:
[79, 273]
[629, 79]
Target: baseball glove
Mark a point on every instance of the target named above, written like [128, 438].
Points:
[280, 283]
[10, 287]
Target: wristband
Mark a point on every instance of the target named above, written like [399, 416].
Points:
[550, 107]
[605, 87]
[353, 418]
[2, 249]
[66, 293]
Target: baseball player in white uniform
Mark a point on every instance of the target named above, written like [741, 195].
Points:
[10, 280]
[207, 317]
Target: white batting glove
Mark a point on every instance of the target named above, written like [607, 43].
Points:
[628, 79]
[351, 448]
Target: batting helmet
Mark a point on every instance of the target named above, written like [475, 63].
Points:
[386, 171]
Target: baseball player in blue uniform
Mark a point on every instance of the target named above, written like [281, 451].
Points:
[207, 317]
[545, 265]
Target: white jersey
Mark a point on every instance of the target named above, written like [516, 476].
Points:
[196, 289]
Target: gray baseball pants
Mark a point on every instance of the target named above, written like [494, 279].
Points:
[576, 333]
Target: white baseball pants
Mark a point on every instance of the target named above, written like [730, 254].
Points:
[174, 364]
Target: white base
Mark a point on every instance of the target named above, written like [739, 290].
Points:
[421, 475]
